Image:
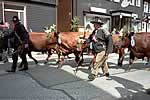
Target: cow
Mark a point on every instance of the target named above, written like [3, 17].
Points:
[138, 45]
[39, 42]
[71, 42]
[116, 38]
[69, 45]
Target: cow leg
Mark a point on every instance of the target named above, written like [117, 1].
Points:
[61, 62]
[146, 60]
[30, 55]
[121, 57]
[130, 61]
[120, 60]
[49, 55]
[79, 59]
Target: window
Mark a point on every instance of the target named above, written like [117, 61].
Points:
[132, 2]
[138, 3]
[14, 10]
[145, 6]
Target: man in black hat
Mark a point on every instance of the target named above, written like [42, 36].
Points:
[102, 45]
[21, 39]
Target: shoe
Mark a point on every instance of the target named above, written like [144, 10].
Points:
[148, 91]
[10, 71]
[91, 77]
[107, 75]
[23, 69]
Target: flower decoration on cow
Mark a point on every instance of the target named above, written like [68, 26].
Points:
[49, 29]
[74, 24]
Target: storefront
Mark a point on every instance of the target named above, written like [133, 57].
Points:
[114, 13]
[89, 16]
[33, 14]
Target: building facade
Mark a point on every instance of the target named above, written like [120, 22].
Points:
[34, 14]
[146, 16]
[114, 13]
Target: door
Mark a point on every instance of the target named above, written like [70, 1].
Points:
[8, 17]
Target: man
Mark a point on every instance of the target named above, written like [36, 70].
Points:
[21, 39]
[102, 45]
[3, 41]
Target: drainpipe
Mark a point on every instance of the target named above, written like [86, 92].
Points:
[146, 23]
[3, 11]
[120, 22]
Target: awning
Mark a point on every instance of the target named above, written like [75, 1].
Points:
[121, 13]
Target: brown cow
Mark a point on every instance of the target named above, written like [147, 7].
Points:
[69, 44]
[116, 38]
[39, 42]
[141, 48]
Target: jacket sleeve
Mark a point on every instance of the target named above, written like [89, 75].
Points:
[109, 41]
[25, 35]
[109, 44]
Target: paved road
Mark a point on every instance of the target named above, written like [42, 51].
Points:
[46, 82]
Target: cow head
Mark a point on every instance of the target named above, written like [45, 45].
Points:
[124, 42]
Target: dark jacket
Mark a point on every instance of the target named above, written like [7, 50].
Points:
[19, 33]
[104, 41]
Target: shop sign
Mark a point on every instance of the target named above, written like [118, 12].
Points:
[95, 9]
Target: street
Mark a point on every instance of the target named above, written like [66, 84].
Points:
[46, 82]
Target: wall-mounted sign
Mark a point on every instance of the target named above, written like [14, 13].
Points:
[116, 0]
[95, 9]
[125, 3]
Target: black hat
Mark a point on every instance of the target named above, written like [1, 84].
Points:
[15, 19]
[97, 20]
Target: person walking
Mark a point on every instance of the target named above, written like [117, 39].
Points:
[102, 45]
[21, 39]
[4, 30]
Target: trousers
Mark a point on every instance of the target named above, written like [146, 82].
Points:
[15, 58]
[100, 62]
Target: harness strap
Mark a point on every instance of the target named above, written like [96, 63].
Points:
[18, 38]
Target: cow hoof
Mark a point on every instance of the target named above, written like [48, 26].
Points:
[76, 69]
[120, 64]
[89, 68]
[127, 70]
[36, 62]
[59, 66]
[45, 62]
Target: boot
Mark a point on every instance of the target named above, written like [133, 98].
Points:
[13, 68]
[25, 67]
[13, 71]
[91, 77]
